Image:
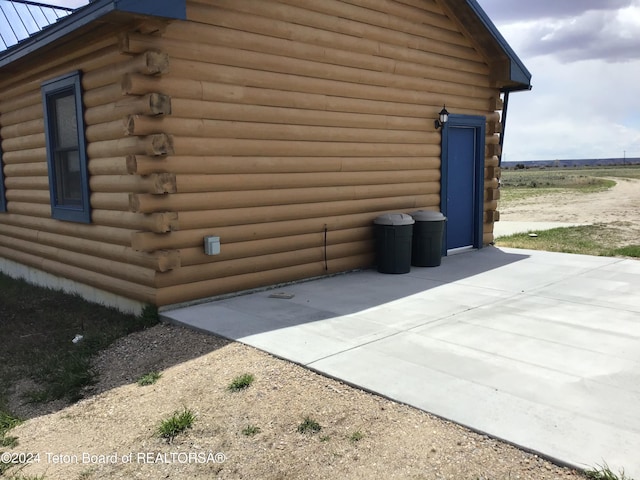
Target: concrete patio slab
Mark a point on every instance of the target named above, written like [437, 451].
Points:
[539, 349]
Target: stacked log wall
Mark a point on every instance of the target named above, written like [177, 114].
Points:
[295, 123]
[98, 254]
[282, 127]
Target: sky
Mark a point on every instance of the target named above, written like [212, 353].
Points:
[584, 56]
[65, 3]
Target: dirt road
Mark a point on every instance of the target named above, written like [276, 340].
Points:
[620, 203]
[617, 208]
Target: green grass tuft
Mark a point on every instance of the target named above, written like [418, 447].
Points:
[356, 436]
[10, 442]
[149, 379]
[65, 376]
[7, 422]
[85, 474]
[176, 424]
[309, 426]
[250, 430]
[147, 318]
[586, 240]
[603, 472]
[628, 251]
[241, 382]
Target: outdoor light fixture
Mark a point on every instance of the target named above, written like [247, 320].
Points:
[443, 117]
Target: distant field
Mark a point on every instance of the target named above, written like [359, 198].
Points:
[632, 171]
[521, 184]
[565, 177]
[610, 218]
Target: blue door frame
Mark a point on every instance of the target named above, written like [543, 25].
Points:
[462, 180]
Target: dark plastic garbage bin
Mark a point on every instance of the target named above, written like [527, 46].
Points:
[427, 238]
[393, 235]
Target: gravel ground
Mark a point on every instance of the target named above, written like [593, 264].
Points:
[112, 433]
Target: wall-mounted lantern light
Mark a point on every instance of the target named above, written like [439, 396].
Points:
[443, 117]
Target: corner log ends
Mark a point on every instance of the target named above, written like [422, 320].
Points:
[112, 112]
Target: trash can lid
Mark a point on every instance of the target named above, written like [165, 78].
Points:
[427, 216]
[394, 219]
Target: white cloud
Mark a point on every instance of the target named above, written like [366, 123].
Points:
[65, 3]
[585, 65]
[604, 35]
[575, 111]
[505, 11]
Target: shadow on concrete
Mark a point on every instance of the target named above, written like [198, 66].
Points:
[333, 296]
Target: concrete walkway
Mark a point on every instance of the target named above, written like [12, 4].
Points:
[539, 349]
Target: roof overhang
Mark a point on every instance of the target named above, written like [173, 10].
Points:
[507, 70]
[112, 11]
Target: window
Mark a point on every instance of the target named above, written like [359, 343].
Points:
[3, 200]
[66, 149]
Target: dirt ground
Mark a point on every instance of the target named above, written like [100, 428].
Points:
[112, 433]
[617, 207]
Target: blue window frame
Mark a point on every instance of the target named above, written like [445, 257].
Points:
[66, 148]
[3, 200]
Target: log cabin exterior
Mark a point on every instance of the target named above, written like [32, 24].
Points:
[132, 130]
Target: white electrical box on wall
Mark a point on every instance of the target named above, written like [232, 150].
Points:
[212, 245]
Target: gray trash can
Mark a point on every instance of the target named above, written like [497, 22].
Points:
[393, 237]
[427, 238]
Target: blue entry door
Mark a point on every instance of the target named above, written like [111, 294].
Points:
[461, 188]
[462, 181]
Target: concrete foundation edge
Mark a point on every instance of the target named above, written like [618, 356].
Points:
[95, 295]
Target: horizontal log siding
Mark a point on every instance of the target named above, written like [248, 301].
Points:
[290, 117]
[267, 123]
[98, 254]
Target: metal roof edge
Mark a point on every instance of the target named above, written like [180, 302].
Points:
[174, 9]
[519, 73]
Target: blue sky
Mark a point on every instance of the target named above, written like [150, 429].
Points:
[585, 59]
